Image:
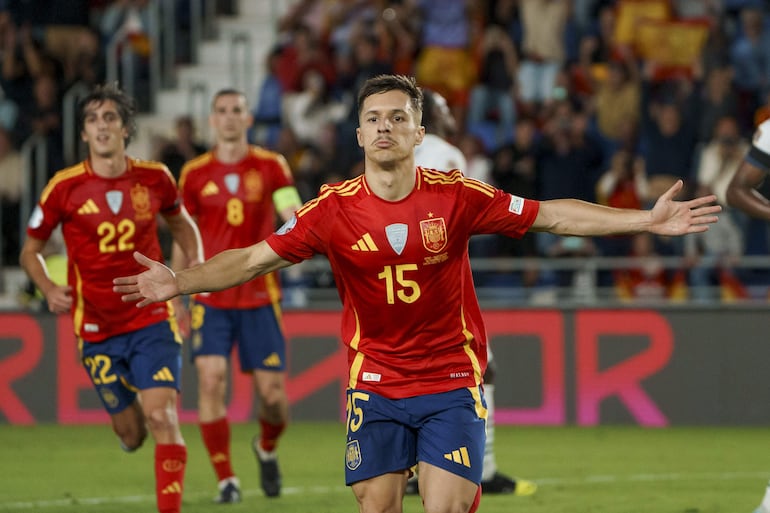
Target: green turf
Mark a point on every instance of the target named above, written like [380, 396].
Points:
[608, 469]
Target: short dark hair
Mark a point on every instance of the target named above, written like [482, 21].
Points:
[228, 91]
[125, 104]
[385, 83]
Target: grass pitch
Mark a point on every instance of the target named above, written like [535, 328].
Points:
[56, 469]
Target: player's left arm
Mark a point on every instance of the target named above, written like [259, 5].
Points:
[186, 235]
[286, 201]
[667, 217]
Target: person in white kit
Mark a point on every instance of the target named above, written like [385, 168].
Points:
[743, 193]
[436, 152]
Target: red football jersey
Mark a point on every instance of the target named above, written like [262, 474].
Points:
[104, 220]
[233, 206]
[411, 319]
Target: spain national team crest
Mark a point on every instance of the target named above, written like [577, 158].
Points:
[353, 455]
[434, 236]
[140, 199]
[252, 183]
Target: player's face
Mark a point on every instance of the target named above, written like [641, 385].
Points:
[388, 130]
[230, 118]
[103, 129]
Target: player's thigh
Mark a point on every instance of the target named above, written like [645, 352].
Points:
[261, 343]
[453, 432]
[213, 330]
[381, 493]
[444, 491]
[380, 439]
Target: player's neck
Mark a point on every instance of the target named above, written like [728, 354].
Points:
[108, 167]
[231, 152]
[391, 184]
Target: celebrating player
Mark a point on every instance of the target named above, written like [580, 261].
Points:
[107, 207]
[397, 241]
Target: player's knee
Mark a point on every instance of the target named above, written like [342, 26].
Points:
[211, 382]
[131, 438]
[161, 419]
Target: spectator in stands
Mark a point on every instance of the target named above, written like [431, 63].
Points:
[11, 189]
[568, 165]
[650, 281]
[543, 53]
[718, 99]
[623, 185]
[668, 129]
[302, 52]
[750, 56]
[267, 108]
[492, 98]
[617, 103]
[444, 63]
[308, 111]
[22, 63]
[184, 146]
[397, 36]
[719, 161]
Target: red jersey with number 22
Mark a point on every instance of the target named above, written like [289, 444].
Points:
[104, 220]
[410, 318]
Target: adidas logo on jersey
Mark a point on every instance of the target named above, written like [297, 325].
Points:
[365, 243]
[163, 375]
[89, 207]
[174, 487]
[459, 456]
[209, 189]
[272, 361]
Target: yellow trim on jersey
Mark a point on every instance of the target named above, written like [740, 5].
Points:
[64, 174]
[273, 290]
[346, 188]
[286, 197]
[173, 324]
[195, 163]
[480, 186]
[77, 316]
[480, 410]
[477, 376]
[358, 361]
[153, 164]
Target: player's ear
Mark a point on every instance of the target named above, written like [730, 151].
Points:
[358, 138]
[420, 135]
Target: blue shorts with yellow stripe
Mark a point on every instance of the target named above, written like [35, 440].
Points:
[447, 430]
[124, 364]
[256, 331]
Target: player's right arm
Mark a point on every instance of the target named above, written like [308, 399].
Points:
[227, 269]
[58, 297]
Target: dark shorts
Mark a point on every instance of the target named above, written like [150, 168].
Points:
[447, 430]
[256, 331]
[122, 365]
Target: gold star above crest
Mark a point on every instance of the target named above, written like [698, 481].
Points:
[430, 215]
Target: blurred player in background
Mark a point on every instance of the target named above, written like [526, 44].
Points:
[743, 193]
[397, 241]
[107, 207]
[233, 193]
[436, 152]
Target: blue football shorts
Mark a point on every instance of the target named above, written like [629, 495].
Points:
[447, 430]
[124, 364]
[256, 331]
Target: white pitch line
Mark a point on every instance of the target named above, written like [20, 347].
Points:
[324, 490]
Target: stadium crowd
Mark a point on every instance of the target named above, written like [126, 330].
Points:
[554, 98]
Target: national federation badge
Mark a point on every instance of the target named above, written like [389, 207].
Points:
[434, 234]
[353, 455]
